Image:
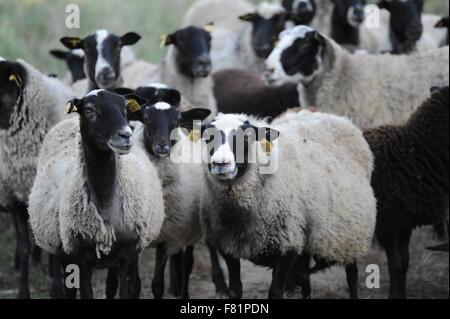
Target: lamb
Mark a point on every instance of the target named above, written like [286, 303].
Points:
[30, 103]
[410, 180]
[187, 68]
[373, 89]
[88, 165]
[261, 212]
[184, 188]
[223, 14]
[102, 57]
[239, 91]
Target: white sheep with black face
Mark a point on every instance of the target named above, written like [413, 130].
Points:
[97, 200]
[373, 89]
[315, 176]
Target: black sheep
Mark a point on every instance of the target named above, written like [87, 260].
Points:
[410, 180]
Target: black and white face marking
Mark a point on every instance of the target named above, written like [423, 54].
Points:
[267, 23]
[350, 11]
[405, 23]
[102, 55]
[162, 116]
[297, 57]
[230, 141]
[103, 120]
[193, 47]
[74, 60]
[302, 12]
[13, 81]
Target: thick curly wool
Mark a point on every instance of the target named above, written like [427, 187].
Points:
[61, 210]
[411, 176]
[319, 200]
[185, 195]
[374, 89]
[43, 106]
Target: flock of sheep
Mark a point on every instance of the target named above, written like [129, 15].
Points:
[344, 130]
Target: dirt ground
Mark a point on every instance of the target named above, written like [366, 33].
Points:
[428, 275]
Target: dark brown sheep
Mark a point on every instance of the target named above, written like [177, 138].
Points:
[410, 180]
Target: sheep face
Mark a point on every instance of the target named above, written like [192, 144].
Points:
[193, 46]
[74, 60]
[162, 117]
[103, 120]
[267, 23]
[231, 146]
[12, 84]
[102, 55]
[297, 57]
[301, 11]
[350, 11]
[405, 23]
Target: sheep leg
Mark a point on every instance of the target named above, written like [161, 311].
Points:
[112, 282]
[20, 214]
[36, 256]
[57, 289]
[130, 283]
[405, 237]
[17, 254]
[351, 270]
[234, 274]
[188, 262]
[216, 272]
[86, 291]
[279, 274]
[394, 264]
[158, 276]
[303, 275]
[176, 264]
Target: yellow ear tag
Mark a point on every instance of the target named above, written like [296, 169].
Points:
[275, 43]
[267, 145]
[163, 41]
[71, 108]
[74, 42]
[133, 106]
[209, 28]
[17, 79]
[194, 136]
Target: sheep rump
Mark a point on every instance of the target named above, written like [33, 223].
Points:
[43, 104]
[332, 218]
[60, 208]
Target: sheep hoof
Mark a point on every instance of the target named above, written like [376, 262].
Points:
[222, 295]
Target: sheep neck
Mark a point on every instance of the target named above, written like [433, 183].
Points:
[101, 173]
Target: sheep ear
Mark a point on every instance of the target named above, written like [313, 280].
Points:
[384, 4]
[130, 38]
[135, 103]
[188, 117]
[443, 23]
[209, 28]
[320, 38]
[123, 91]
[246, 17]
[167, 39]
[74, 106]
[61, 55]
[16, 79]
[72, 42]
[435, 89]
[173, 97]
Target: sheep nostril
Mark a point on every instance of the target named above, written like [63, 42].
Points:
[225, 164]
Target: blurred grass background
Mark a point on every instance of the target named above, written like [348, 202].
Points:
[30, 28]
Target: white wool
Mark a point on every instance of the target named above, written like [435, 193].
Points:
[267, 10]
[318, 201]
[60, 207]
[138, 73]
[162, 106]
[78, 52]
[157, 85]
[44, 101]
[228, 122]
